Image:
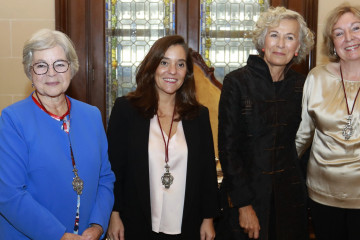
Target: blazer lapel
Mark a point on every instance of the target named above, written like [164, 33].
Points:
[141, 156]
[191, 133]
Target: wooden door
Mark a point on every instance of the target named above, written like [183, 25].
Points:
[83, 22]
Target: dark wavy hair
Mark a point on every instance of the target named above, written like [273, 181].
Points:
[145, 98]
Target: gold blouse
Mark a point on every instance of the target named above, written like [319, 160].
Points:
[333, 174]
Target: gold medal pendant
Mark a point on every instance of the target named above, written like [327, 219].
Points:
[348, 129]
[77, 183]
[167, 179]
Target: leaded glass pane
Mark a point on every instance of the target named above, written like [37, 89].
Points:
[225, 32]
[131, 28]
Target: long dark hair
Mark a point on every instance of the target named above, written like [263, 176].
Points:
[145, 98]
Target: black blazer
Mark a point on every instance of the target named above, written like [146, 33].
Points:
[128, 136]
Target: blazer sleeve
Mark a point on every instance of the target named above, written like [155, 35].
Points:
[209, 189]
[306, 129]
[232, 140]
[117, 139]
[105, 196]
[16, 203]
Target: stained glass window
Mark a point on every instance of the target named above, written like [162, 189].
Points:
[131, 27]
[225, 32]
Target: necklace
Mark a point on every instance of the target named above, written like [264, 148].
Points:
[167, 179]
[77, 183]
[348, 130]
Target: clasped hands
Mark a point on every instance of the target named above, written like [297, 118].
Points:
[92, 233]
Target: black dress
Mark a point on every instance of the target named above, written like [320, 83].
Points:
[258, 121]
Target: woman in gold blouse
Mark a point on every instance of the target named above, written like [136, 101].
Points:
[331, 124]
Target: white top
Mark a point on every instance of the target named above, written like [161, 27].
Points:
[167, 204]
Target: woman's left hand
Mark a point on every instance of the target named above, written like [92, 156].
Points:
[93, 233]
[207, 231]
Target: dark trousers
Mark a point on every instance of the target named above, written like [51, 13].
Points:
[228, 227]
[163, 236]
[332, 223]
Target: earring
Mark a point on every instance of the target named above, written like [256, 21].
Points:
[263, 50]
[335, 52]
[296, 54]
[32, 84]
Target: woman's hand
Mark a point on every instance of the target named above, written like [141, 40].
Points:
[93, 233]
[207, 231]
[116, 227]
[71, 236]
[249, 221]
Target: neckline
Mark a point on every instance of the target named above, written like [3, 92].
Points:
[258, 64]
[167, 137]
[337, 76]
[59, 118]
[346, 101]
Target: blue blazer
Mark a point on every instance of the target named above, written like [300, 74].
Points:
[37, 200]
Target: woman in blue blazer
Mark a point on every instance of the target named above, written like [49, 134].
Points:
[55, 176]
[165, 188]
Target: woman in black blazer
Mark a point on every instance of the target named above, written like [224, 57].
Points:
[164, 189]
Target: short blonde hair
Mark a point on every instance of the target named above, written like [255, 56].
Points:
[45, 39]
[328, 47]
[272, 18]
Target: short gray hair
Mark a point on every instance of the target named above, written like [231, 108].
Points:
[46, 39]
[271, 18]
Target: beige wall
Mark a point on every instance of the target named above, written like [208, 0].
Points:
[325, 6]
[18, 20]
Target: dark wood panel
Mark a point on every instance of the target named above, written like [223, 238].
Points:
[311, 16]
[194, 24]
[78, 33]
[72, 22]
[61, 18]
[83, 21]
[181, 20]
[97, 55]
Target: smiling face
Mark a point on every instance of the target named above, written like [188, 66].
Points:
[346, 37]
[281, 43]
[171, 72]
[51, 84]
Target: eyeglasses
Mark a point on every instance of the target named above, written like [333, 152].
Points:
[41, 68]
